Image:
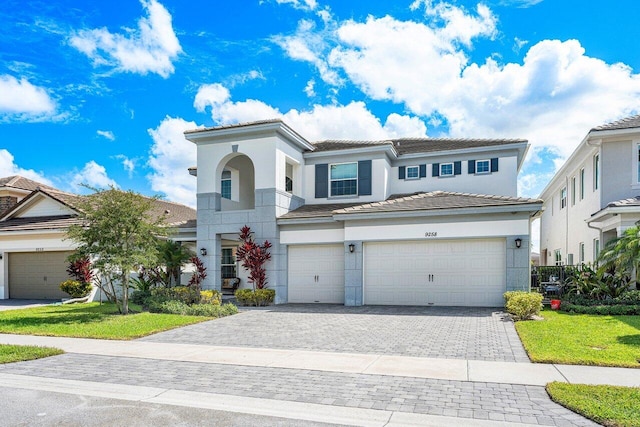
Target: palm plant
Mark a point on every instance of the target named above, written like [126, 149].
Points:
[622, 254]
[172, 256]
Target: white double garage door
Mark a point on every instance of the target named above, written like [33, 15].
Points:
[434, 272]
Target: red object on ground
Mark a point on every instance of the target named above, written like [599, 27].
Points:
[555, 304]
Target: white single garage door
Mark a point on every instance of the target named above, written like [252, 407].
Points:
[316, 274]
[435, 272]
[37, 275]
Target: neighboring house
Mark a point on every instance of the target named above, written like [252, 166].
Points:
[15, 188]
[594, 196]
[33, 248]
[401, 222]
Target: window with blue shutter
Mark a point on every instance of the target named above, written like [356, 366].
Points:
[435, 169]
[494, 164]
[457, 168]
[364, 178]
[472, 167]
[483, 166]
[322, 181]
[401, 173]
[423, 171]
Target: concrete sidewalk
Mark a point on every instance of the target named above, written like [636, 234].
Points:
[399, 366]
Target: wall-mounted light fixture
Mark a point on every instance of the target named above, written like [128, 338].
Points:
[518, 242]
[352, 247]
[203, 251]
[0, 256]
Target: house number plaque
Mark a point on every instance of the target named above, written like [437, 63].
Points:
[431, 234]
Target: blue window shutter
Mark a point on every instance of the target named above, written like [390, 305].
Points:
[472, 166]
[322, 181]
[423, 171]
[435, 169]
[457, 168]
[401, 174]
[494, 164]
[364, 178]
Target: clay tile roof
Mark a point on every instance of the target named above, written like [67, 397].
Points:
[22, 183]
[39, 223]
[416, 145]
[633, 201]
[626, 123]
[433, 200]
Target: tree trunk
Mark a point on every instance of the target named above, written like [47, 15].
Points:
[125, 294]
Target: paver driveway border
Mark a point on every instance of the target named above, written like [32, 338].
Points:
[433, 332]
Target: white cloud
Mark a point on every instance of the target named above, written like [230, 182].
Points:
[21, 99]
[106, 134]
[171, 156]
[518, 44]
[8, 167]
[308, 89]
[128, 164]
[351, 121]
[94, 175]
[151, 49]
[300, 4]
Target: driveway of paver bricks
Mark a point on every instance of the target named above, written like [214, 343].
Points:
[438, 332]
[477, 400]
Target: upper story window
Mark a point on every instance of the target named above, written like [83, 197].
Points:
[563, 198]
[573, 191]
[596, 172]
[596, 248]
[343, 179]
[288, 185]
[413, 172]
[581, 252]
[225, 185]
[581, 183]
[483, 166]
[446, 169]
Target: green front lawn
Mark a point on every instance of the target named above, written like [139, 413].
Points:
[580, 339]
[20, 353]
[89, 321]
[605, 404]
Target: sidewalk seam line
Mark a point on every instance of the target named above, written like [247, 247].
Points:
[560, 372]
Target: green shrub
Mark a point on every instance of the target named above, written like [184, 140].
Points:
[259, 297]
[603, 310]
[208, 310]
[183, 294]
[75, 289]
[210, 297]
[523, 305]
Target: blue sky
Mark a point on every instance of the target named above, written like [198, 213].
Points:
[100, 92]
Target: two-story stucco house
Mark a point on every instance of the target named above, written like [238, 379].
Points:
[399, 222]
[594, 196]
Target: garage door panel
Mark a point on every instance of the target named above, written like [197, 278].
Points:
[316, 274]
[37, 275]
[464, 272]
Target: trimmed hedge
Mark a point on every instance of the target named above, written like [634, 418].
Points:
[523, 305]
[258, 298]
[626, 304]
[179, 307]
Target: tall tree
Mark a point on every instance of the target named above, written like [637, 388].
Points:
[623, 254]
[173, 256]
[120, 234]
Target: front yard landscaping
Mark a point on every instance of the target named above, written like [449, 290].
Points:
[581, 339]
[21, 353]
[93, 320]
[606, 405]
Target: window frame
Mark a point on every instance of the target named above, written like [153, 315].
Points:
[557, 256]
[488, 163]
[573, 191]
[582, 184]
[596, 171]
[563, 198]
[596, 248]
[223, 187]
[442, 165]
[234, 264]
[417, 171]
[331, 180]
[581, 252]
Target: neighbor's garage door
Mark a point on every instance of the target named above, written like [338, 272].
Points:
[316, 274]
[438, 272]
[37, 275]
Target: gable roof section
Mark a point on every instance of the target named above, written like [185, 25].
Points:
[22, 183]
[432, 201]
[626, 123]
[39, 223]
